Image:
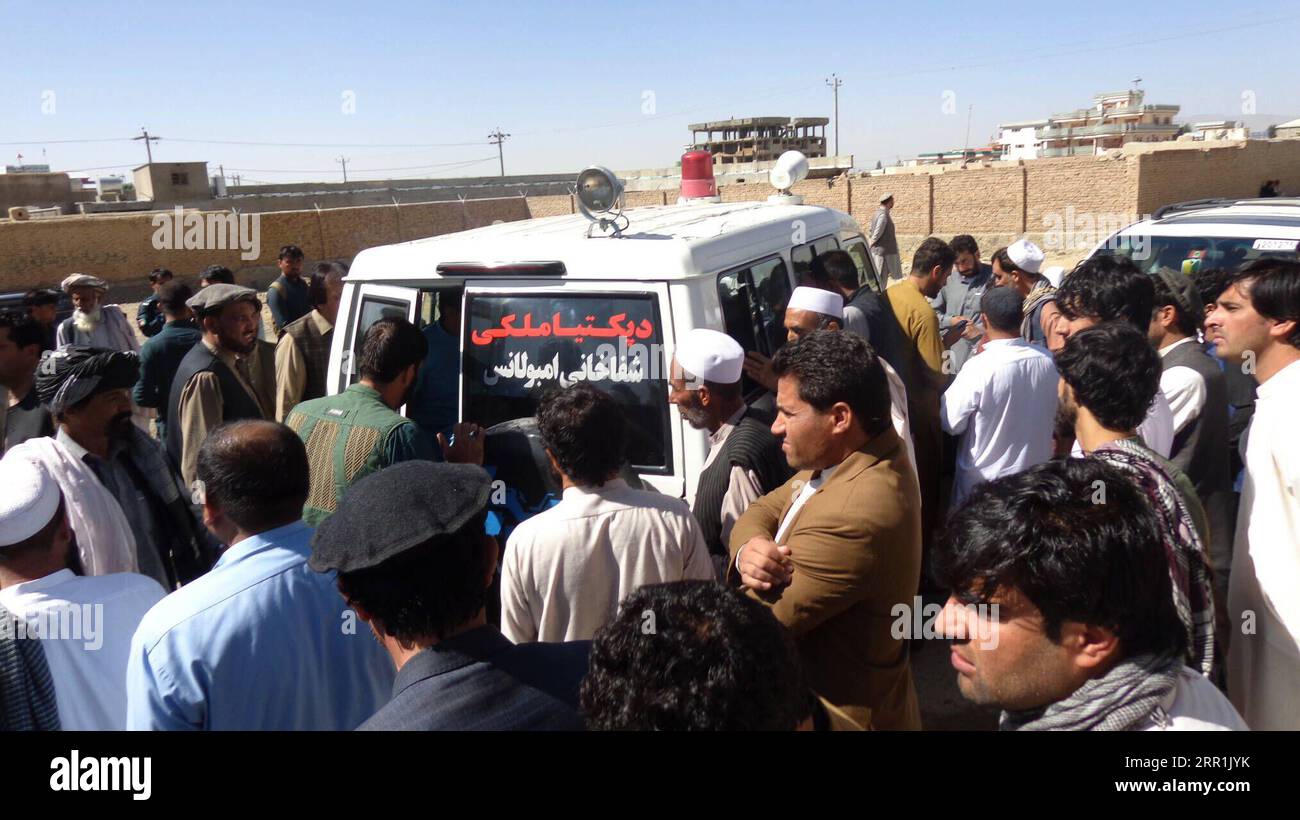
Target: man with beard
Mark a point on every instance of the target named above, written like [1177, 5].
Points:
[354, 433]
[125, 501]
[288, 295]
[1018, 267]
[745, 460]
[214, 383]
[302, 355]
[92, 323]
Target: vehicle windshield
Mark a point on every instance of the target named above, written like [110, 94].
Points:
[518, 346]
[1192, 253]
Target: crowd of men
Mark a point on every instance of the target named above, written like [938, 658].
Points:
[1099, 476]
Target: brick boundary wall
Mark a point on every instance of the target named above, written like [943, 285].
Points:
[994, 204]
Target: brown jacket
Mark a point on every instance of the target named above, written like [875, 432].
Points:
[856, 550]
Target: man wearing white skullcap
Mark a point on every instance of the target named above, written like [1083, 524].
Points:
[745, 461]
[1019, 266]
[817, 309]
[84, 623]
[93, 323]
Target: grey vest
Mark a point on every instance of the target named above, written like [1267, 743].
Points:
[1201, 448]
[752, 446]
[235, 401]
[315, 349]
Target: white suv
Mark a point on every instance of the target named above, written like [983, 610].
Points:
[1210, 233]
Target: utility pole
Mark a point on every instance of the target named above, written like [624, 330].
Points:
[344, 162]
[144, 135]
[835, 82]
[965, 146]
[496, 138]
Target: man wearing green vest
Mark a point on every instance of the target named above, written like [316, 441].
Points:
[359, 431]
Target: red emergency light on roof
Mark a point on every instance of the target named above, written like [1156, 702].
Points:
[697, 175]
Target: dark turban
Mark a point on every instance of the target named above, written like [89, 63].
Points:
[69, 376]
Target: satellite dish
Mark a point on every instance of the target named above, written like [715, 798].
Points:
[791, 168]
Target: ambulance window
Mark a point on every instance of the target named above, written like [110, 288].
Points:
[802, 255]
[518, 346]
[753, 301]
[372, 310]
[772, 289]
[866, 273]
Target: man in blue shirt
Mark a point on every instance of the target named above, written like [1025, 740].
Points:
[260, 642]
[433, 403]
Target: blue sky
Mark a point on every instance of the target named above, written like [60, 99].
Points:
[581, 83]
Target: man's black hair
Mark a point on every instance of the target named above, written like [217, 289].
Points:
[1273, 286]
[834, 366]
[835, 268]
[172, 297]
[1107, 288]
[693, 656]
[316, 294]
[585, 429]
[290, 252]
[217, 275]
[256, 472]
[964, 243]
[40, 296]
[1079, 540]
[1211, 283]
[390, 346]
[933, 251]
[428, 590]
[1002, 313]
[157, 274]
[1186, 324]
[24, 331]
[1114, 371]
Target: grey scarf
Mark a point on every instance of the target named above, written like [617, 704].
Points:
[1115, 702]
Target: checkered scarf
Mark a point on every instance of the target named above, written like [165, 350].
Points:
[1188, 567]
[1041, 292]
[1118, 701]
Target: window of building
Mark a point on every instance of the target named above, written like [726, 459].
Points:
[181, 178]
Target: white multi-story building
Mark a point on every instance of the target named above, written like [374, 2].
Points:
[1114, 119]
[1019, 140]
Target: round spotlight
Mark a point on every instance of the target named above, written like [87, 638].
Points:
[599, 191]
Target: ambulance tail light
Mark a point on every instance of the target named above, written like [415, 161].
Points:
[697, 177]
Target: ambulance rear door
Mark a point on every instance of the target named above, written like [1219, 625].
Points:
[523, 337]
[368, 305]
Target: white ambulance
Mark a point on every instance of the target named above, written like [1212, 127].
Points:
[602, 296]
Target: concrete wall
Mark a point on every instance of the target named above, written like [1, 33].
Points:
[37, 190]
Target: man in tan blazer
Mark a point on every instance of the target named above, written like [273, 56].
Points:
[838, 546]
